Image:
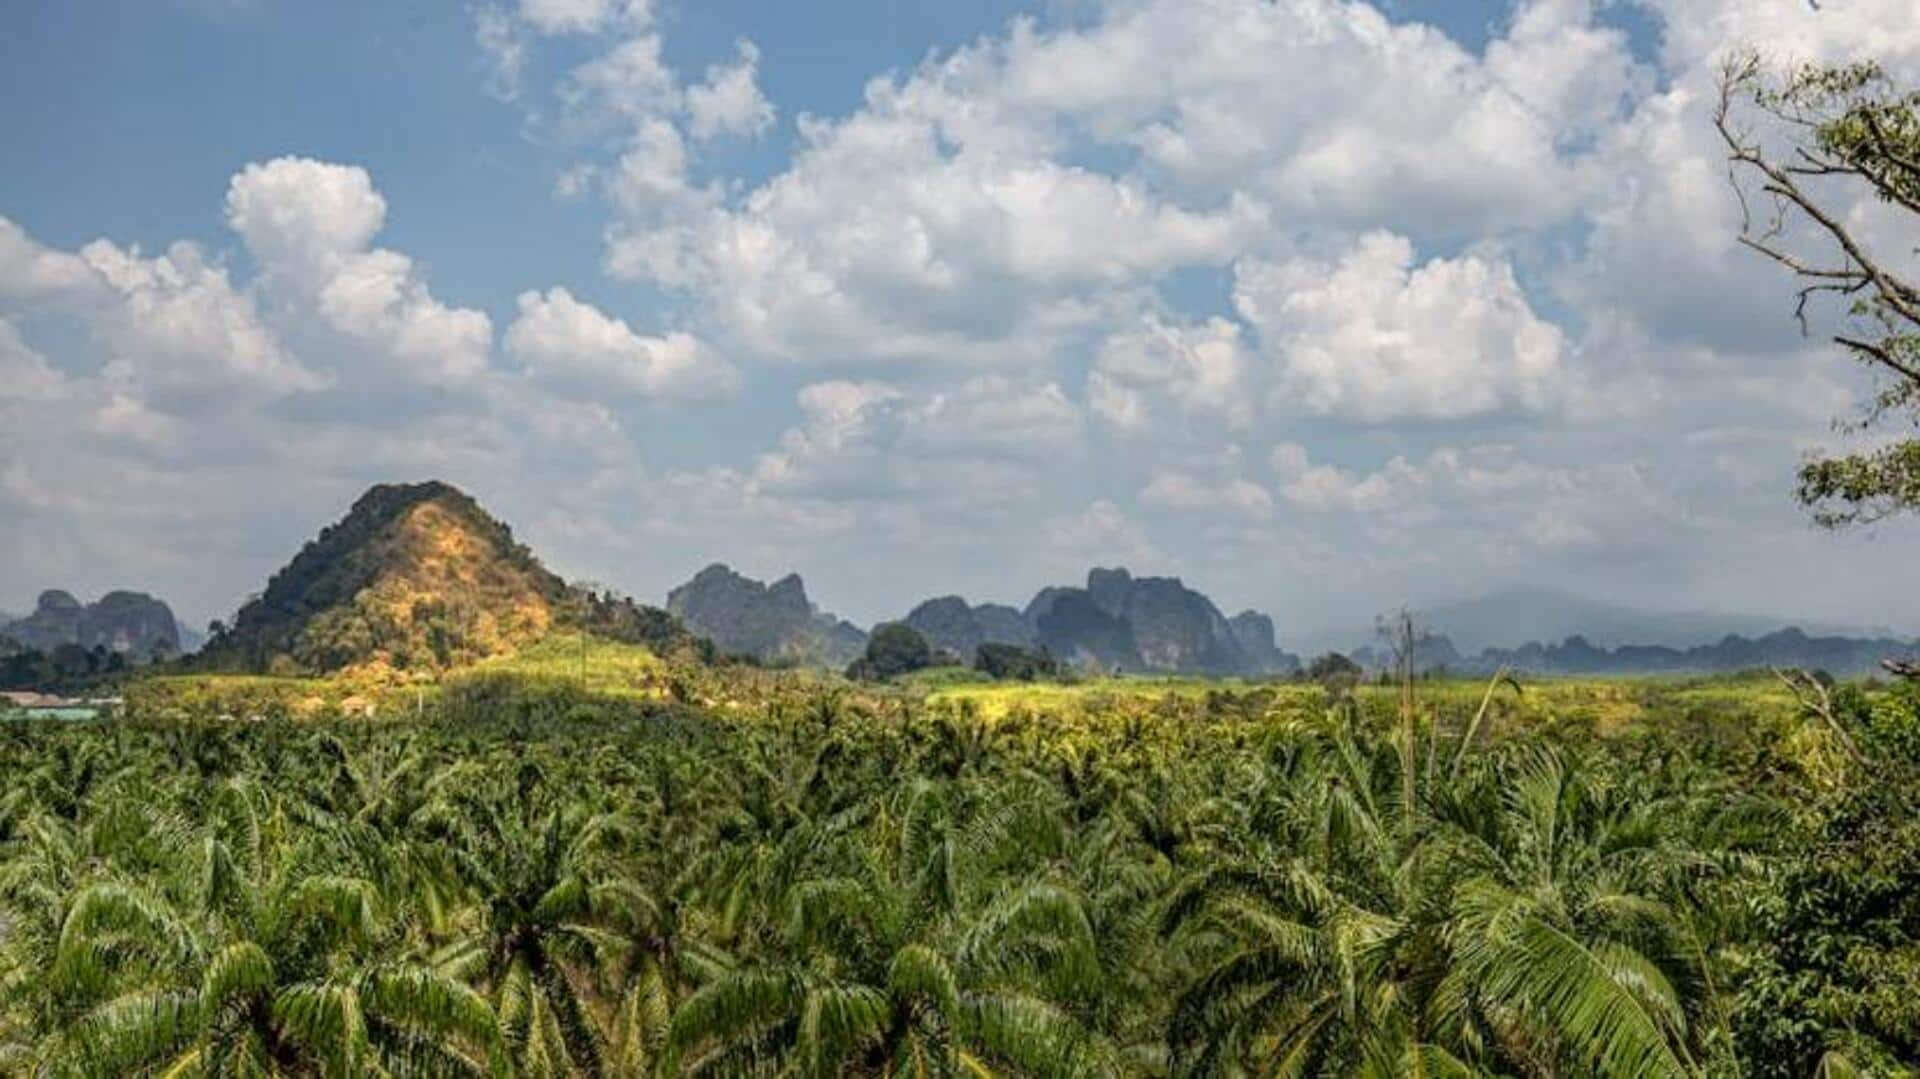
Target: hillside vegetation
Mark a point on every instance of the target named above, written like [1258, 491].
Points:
[417, 577]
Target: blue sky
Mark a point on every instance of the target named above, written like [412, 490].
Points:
[1327, 307]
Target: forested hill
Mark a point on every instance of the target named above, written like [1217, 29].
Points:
[417, 576]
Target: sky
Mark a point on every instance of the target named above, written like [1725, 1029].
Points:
[1326, 307]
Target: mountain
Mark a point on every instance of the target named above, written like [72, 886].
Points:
[1073, 627]
[774, 623]
[950, 623]
[132, 623]
[1115, 622]
[1152, 624]
[1577, 655]
[1253, 632]
[1512, 617]
[416, 576]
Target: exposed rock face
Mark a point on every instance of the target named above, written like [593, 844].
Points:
[1116, 622]
[775, 623]
[1075, 629]
[1139, 624]
[1001, 624]
[1253, 632]
[132, 623]
[1177, 628]
[950, 623]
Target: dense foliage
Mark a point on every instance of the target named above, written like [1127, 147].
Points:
[1009, 661]
[537, 878]
[67, 668]
[893, 649]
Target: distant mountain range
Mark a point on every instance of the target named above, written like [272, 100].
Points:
[1790, 647]
[132, 623]
[1115, 622]
[419, 576]
[1515, 616]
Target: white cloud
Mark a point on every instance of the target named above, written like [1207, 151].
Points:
[30, 271]
[583, 16]
[173, 324]
[879, 245]
[1102, 534]
[556, 335]
[1374, 337]
[501, 47]
[950, 218]
[1052, 221]
[179, 323]
[1178, 490]
[1202, 369]
[874, 440]
[311, 225]
[25, 375]
[301, 213]
[729, 102]
[1492, 496]
[630, 82]
[996, 416]
[1374, 123]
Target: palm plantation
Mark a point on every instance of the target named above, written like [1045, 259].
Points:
[855, 885]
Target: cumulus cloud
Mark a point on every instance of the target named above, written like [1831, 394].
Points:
[173, 324]
[949, 219]
[1188, 225]
[173, 423]
[881, 245]
[29, 271]
[25, 374]
[583, 16]
[729, 102]
[995, 415]
[1201, 369]
[311, 225]
[1178, 490]
[299, 212]
[1376, 337]
[558, 336]
[1496, 492]
[629, 82]
[867, 439]
[1101, 534]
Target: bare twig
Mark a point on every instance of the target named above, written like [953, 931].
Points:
[1814, 696]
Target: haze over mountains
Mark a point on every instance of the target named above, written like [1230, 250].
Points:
[1517, 615]
[420, 576]
[1790, 647]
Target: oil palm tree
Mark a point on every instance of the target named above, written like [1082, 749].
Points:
[893, 967]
